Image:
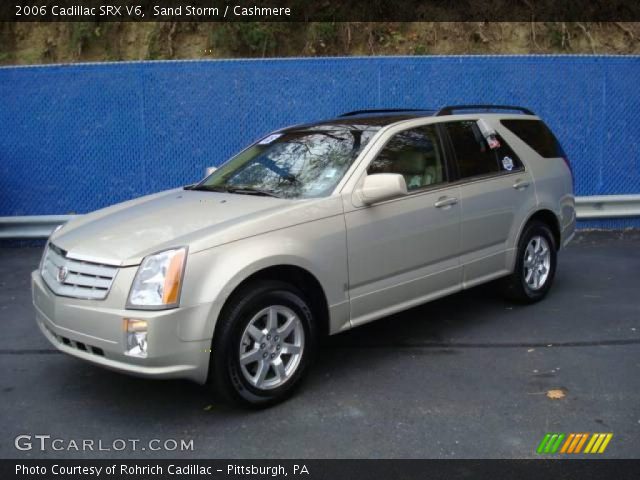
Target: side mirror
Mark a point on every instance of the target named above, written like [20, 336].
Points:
[209, 170]
[382, 186]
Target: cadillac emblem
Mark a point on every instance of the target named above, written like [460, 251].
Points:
[62, 274]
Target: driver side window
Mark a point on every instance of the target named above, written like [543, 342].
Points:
[415, 154]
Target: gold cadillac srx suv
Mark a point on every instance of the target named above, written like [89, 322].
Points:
[310, 231]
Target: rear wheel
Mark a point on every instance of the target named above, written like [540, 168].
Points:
[535, 265]
[263, 346]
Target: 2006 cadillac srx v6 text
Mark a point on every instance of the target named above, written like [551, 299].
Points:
[310, 231]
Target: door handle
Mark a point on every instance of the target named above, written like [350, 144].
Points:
[521, 184]
[445, 202]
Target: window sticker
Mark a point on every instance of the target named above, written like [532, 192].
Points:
[486, 129]
[271, 138]
[489, 134]
[493, 142]
[507, 163]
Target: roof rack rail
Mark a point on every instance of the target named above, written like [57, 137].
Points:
[448, 110]
[386, 110]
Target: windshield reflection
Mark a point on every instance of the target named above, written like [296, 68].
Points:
[292, 164]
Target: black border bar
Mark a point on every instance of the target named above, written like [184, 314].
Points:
[566, 469]
[319, 11]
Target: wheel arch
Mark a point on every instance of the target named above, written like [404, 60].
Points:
[298, 277]
[549, 218]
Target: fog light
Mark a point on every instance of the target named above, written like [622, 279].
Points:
[136, 337]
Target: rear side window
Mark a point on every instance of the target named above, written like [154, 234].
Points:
[473, 154]
[537, 135]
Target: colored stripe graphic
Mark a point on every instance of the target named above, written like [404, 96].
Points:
[573, 443]
[543, 443]
[556, 445]
[605, 443]
[581, 443]
[598, 442]
[568, 442]
[594, 437]
[550, 443]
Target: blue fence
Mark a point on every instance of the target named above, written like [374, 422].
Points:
[79, 137]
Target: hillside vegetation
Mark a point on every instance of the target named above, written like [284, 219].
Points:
[41, 43]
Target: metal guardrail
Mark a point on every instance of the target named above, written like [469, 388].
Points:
[607, 206]
[32, 226]
[587, 208]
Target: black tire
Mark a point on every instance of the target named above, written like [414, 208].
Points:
[226, 379]
[515, 286]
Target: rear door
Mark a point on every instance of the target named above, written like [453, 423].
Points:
[496, 195]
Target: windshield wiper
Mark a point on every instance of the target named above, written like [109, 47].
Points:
[207, 188]
[228, 189]
[252, 191]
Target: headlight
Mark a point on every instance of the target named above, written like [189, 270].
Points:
[158, 281]
[44, 256]
[46, 248]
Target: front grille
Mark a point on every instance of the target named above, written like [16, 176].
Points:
[75, 278]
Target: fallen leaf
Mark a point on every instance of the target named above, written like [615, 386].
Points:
[556, 394]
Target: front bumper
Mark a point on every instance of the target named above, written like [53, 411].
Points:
[93, 331]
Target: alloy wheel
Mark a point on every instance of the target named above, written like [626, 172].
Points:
[537, 262]
[271, 347]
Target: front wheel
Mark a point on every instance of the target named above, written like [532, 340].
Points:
[535, 265]
[263, 346]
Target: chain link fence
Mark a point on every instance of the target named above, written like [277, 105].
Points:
[75, 138]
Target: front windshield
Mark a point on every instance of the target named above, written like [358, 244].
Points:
[292, 164]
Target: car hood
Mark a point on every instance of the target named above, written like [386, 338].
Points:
[124, 233]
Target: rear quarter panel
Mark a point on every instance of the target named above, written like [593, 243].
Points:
[552, 183]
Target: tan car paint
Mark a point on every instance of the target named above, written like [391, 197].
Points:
[371, 260]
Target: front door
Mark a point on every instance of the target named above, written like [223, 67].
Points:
[404, 251]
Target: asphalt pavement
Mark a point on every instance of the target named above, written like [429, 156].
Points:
[466, 376]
